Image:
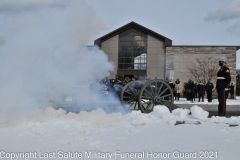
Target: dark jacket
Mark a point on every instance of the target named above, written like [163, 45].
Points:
[209, 86]
[189, 87]
[231, 89]
[172, 85]
[223, 77]
[201, 89]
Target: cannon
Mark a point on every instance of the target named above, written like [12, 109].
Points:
[140, 95]
[144, 95]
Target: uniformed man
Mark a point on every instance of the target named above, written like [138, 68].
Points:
[223, 81]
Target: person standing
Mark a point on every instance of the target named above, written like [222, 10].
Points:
[195, 91]
[201, 91]
[192, 90]
[188, 90]
[223, 81]
[209, 88]
[231, 90]
[172, 85]
[178, 89]
[184, 90]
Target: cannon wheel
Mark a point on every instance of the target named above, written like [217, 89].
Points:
[155, 92]
[130, 94]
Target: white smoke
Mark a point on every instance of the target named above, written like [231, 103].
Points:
[42, 53]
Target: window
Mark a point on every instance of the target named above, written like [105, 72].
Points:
[132, 52]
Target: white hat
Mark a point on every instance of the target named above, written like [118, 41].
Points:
[222, 60]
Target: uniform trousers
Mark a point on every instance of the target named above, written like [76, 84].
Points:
[222, 96]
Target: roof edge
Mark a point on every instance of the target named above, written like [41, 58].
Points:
[238, 47]
[168, 42]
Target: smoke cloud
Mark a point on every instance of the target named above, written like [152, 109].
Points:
[43, 51]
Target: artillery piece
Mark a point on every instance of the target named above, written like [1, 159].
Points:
[140, 95]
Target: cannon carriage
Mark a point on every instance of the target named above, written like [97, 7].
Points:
[144, 95]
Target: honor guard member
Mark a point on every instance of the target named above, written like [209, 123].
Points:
[223, 81]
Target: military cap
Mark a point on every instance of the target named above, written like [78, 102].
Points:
[222, 60]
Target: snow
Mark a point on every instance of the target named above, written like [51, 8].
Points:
[214, 101]
[199, 113]
[55, 134]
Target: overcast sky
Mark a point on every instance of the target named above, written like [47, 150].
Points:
[185, 22]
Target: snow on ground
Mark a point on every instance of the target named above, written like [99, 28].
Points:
[55, 134]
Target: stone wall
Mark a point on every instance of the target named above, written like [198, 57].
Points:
[178, 58]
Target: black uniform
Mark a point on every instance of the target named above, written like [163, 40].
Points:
[209, 88]
[223, 81]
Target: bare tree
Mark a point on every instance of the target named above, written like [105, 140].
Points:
[203, 69]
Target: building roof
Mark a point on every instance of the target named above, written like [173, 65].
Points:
[167, 41]
[237, 47]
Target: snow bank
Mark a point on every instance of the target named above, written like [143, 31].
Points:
[199, 113]
[181, 113]
[231, 120]
[134, 120]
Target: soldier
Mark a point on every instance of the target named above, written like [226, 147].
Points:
[209, 88]
[223, 81]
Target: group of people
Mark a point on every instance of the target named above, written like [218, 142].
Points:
[191, 90]
[125, 81]
[197, 90]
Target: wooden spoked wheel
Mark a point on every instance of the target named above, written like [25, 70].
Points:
[155, 92]
[130, 95]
